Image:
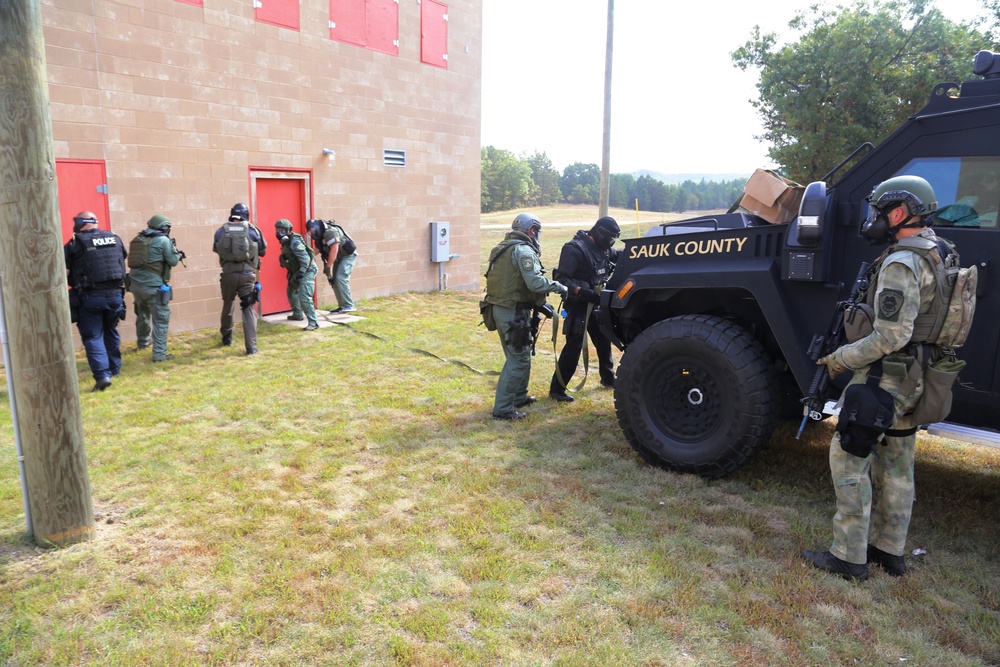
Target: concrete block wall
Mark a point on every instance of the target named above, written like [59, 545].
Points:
[181, 101]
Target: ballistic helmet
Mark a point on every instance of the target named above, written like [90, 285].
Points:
[313, 227]
[160, 222]
[525, 222]
[605, 232]
[283, 224]
[915, 192]
[239, 212]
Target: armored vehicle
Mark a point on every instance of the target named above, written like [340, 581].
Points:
[716, 314]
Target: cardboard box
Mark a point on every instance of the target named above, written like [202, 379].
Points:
[771, 196]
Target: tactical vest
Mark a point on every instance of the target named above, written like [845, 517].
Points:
[595, 268]
[138, 255]
[290, 261]
[97, 262]
[237, 251]
[505, 285]
[941, 255]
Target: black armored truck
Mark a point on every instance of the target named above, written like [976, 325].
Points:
[716, 314]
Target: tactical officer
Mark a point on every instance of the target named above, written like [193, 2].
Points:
[239, 245]
[95, 262]
[515, 285]
[339, 253]
[585, 264]
[152, 256]
[297, 260]
[887, 384]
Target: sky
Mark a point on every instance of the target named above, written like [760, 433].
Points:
[679, 105]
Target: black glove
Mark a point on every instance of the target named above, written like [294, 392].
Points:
[183, 255]
[299, 275]
[589, 295]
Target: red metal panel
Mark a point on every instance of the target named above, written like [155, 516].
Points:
[284, 13]
[383, 26]
[80, 183]
[434, 33]
[348, 19]
[277, 198]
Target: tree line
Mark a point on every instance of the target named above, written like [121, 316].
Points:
[510, 181]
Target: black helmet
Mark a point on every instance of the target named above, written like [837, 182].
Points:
[239, 212]
[525, 222]
[314, 227]
[605, 232]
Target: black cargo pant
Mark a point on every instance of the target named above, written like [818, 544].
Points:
[576, 332]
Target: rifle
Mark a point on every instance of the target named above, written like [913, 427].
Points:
[180, 253]
[536, 322]
[827, 343]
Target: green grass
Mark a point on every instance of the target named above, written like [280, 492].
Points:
[342, 500]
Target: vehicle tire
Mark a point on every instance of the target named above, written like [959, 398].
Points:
[696, 394]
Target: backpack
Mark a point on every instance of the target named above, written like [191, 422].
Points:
[138, 251]
[950, 317]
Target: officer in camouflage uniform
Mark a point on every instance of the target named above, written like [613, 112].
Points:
[297, 260]
[871, 527]
[150, 284]
[515, 284]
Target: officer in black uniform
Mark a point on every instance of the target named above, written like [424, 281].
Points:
[585, 264]
[95, 262]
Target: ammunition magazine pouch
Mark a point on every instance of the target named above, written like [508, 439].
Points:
[349, 247]
[486, 310]
[867, 413]
[858, 321]
[939, 378]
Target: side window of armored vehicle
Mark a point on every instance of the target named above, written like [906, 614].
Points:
[967, 189]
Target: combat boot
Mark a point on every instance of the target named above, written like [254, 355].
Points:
[893, 565]
[825, 560]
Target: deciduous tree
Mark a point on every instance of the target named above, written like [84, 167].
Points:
[854, 75]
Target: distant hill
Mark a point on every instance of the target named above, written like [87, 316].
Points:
[676, 179]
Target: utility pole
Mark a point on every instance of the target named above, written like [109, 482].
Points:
[606, 151]
[42, 365]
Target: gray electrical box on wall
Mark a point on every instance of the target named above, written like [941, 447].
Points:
[440, 241]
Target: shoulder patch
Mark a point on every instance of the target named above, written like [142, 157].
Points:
[890, 303]
[527, 263]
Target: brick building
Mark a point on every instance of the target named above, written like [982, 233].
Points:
[362, 111]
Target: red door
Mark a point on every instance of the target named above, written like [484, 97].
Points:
[82, 187]
[277, 198]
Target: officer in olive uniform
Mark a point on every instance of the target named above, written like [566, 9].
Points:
[585, 264]
[95, 262]
[297, 260]
[239, 245]
[872, 521]
[515, 284]
[153, 256]
[339, 254]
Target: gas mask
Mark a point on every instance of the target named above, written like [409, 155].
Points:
[877, 228]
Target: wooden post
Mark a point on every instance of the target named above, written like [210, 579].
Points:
[606, 145]
[36, 304]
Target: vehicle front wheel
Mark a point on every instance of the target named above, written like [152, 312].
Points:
[696, 394]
